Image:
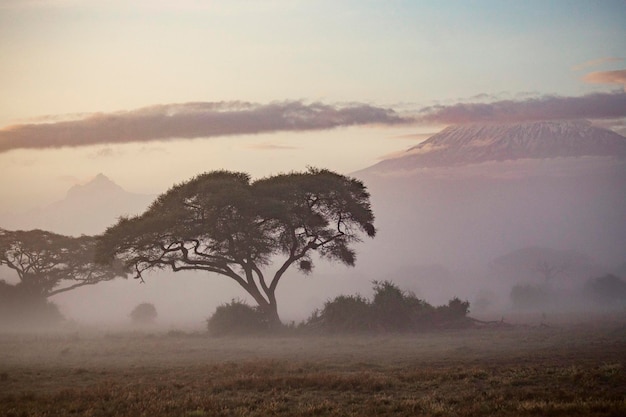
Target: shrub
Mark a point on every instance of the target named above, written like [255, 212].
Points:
[391, 310]
[396, 310]
[144, 313]
[237, 318]
[454, 312]
[344, 314]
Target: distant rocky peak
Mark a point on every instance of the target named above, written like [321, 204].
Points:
[99, 185]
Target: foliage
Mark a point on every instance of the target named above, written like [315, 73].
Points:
[237, 318]
[20, 307]
[608, 290]
[455, 310]
[391, 310]
[397, 310]
[144, 313]
[221, 222]
[344, 314]
[47, 263]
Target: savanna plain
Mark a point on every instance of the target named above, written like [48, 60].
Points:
[567, 369]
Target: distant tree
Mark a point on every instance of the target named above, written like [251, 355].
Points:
[530, 297]
[221, 222]
[144, 313]
[47, 263]
[549, 272]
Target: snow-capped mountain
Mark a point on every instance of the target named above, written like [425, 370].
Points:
[476, 143]
[86, 209]
[475, 192]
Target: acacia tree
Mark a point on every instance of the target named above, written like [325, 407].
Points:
[47, 263]
[221, 222]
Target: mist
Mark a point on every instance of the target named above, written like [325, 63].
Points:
[475, 232]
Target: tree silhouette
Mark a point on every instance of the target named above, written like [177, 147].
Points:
[47, 263]
[222, 222]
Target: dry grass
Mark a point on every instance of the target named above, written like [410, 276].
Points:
[573, 370]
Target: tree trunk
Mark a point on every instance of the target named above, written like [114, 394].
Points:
[267, 305]
[271, 313]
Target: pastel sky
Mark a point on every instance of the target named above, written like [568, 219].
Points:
[152, 92]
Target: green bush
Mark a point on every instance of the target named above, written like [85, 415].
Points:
[237, 318]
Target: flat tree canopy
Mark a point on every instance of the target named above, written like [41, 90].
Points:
[222, 222]
[47, 263]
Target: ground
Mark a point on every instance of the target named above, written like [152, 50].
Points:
[573, 369]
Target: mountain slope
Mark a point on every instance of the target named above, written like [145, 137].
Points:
[472, 193]
[86, 209]
[476, 143]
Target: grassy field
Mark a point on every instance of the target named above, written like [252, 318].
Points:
[557, 371]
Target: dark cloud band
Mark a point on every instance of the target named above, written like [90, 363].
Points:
[192, 120]
[591, 106]
[205, 120]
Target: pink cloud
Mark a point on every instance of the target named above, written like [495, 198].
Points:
[607, 77]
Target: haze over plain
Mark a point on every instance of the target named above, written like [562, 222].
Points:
[152, 93]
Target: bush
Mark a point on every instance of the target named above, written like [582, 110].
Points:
[21, 307]
[391, 310]
[344, 314]
[454, 312]
[397, 310]
[237, 318]
[144, 313]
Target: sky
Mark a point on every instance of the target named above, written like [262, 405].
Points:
[151, 92]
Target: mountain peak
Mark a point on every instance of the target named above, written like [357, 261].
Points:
[476, 143]
[99, 185]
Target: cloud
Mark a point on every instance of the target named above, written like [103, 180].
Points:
[270, 147]
[192, 120]
[590, 106]
[607, 77]
[596, 62]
